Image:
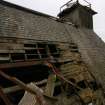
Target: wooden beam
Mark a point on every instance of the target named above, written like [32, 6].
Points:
[17, 88]
[21, 84]
[6, 66]
[19, 64]
[18, 82]
[50, 85]
[4, 97]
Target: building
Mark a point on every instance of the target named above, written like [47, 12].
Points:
[30, 40]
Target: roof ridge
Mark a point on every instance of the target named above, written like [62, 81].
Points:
[25, 9]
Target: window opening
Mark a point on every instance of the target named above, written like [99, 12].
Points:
[31, 51]
[42, 50]
[4, 57]
[32, 56]
[29, 45]
[53, 50]
[4, 54]
[17, 56]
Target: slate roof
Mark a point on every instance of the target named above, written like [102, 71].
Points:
[19, 22]
[23, 8]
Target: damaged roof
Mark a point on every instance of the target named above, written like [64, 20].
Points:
[32, 25]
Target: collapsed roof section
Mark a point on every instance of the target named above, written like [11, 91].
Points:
[69, 56]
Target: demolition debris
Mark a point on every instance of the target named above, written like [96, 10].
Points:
[50, 61]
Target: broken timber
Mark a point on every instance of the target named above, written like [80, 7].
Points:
[17, 87]
[4, 97]
[50, 85]
[22, 84]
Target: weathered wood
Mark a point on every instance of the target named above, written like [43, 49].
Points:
[27, 63]
[50, 85]
[17, 81]
[19, 64]
[21, 84]
[4, 97]
[17, 88]
[53, 68]
[30, 99]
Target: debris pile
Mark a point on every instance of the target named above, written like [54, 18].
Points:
[67, 82]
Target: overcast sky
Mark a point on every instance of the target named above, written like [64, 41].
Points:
[51, 7]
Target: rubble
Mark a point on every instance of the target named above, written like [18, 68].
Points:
[68, 80]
